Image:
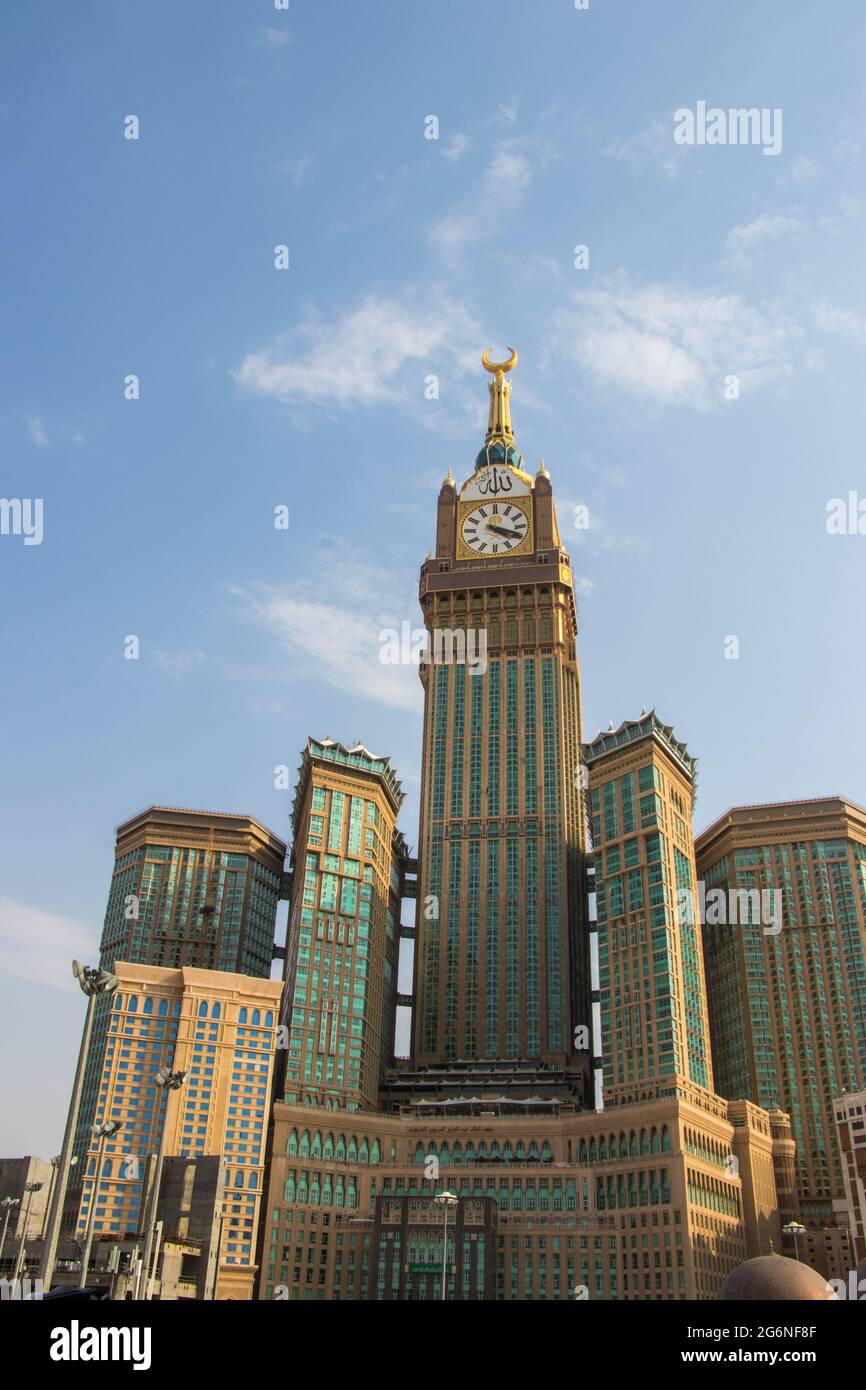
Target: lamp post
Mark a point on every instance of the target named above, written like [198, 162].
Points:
[167, 1080]
[92, 982]
[9, 1203]
[446, 1201]
[225, 1174]
[29, 1188]
[55, 1168]
[103, 1132]
[795, 1229]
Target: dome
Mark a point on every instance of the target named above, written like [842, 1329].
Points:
[499, 452]
[774, 1277]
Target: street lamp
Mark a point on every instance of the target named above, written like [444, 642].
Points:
[55, 1169]
[102, 1132]
[92, 982]
[9, 1203]
[795, 1229]
[29, 1188]
[167, 1080]
[446, 1201]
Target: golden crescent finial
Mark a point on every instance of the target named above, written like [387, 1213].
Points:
[498, 368]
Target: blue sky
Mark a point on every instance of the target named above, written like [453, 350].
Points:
[305, 387]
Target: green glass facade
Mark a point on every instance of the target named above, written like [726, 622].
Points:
[343, 944]
[788, 1006]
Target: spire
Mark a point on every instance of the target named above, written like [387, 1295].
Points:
[499, 421]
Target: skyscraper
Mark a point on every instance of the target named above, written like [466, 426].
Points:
[348, 867]
[193, 888]
[787, 991]
[502, 958]
[189, 888]
[850, 1116]
[659, 1197]
[219, 1028]
[654, 1012]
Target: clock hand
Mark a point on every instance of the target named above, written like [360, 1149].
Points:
[501, 530]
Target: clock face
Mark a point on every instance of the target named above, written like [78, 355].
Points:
[494, 528]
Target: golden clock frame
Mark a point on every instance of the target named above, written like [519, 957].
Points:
[523, 504]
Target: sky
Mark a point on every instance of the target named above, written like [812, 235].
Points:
[693, 378]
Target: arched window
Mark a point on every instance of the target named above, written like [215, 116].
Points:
[117, 1002]
[215, 1011]
[304, 1149]
[328, 1147]
[163, 1008]
[316, 1146]
[148, 1006]
[257, 1017]
[269, 1018]
[239, 1178]
[202, 1009]
[132, 1007]
[242, 1016]
[340, 1152]
[292, 1145]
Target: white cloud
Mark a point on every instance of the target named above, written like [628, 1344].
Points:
[652, 148]
[804, 170]
[273, 38]
[177, 664]
[673, 346]
[457, 145]
[40, 946]
[297, 169]
[504, 185]
[744, 243]
[378, 353]
[827, 318]
[331, 624]
[36, 432]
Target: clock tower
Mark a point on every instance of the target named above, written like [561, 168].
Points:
[502, 960]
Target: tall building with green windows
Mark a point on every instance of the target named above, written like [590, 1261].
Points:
[502, 953]
[653, 994]
[348, 865]
[189, 888]
[788, 999]
[657, 1197]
